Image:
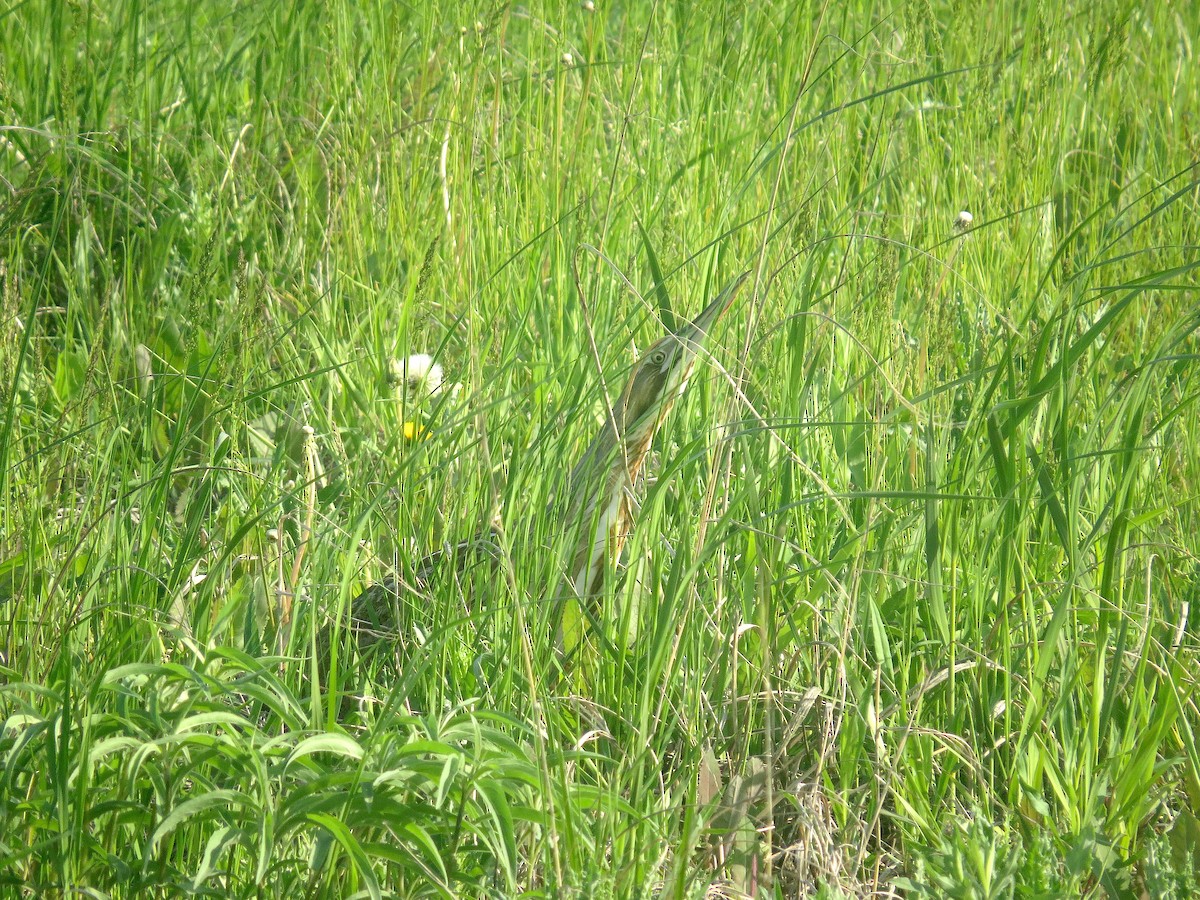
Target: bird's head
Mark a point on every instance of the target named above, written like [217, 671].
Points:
[662, 372]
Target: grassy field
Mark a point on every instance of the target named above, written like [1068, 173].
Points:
[911, 606]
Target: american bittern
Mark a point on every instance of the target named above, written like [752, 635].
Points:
[598, 500]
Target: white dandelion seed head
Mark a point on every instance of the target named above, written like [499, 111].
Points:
[418, 373]
[964, 220]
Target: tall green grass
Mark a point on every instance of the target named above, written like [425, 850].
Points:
[911, 602]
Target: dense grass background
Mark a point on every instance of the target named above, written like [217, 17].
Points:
[912, 604]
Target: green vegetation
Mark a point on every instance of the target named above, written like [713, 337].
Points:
[912, 600]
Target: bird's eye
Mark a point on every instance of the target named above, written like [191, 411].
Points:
[658, 357]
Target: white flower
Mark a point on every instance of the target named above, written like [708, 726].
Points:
[964, 220]
[418, 373]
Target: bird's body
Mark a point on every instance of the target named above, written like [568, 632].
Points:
[601, 483]
[599, 493]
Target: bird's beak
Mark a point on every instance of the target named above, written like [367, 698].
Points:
[695, 331]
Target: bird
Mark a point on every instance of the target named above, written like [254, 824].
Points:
[598, 497]
[600, 485]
